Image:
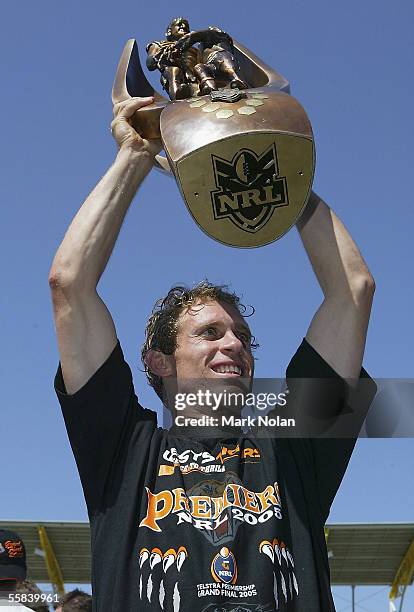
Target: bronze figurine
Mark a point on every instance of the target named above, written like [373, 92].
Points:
[186, 70]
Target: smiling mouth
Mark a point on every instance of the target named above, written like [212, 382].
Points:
[227, 370]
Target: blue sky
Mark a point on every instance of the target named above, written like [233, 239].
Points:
[350, 65]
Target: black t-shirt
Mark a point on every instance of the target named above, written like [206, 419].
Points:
[196, 524]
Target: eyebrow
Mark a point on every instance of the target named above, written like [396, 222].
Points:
[239, 327]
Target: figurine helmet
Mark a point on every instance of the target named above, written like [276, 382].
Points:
[168, 33]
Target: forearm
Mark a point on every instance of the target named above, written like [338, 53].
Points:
[339, 327]
[336, 260]
[90, 239]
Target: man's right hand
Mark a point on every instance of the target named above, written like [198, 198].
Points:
[123, 132]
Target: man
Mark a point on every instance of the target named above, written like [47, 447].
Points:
[184, 522]
[12, 570]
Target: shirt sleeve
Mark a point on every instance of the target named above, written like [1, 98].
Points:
[100, 419]
[339, 412]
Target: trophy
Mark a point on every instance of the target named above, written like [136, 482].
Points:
[238, 144]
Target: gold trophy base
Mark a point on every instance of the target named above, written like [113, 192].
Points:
[248, 215]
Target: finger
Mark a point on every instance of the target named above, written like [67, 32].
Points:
[128, 107]
[119, 106]
[137, 102]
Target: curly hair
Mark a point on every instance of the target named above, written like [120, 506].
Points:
[162, 327]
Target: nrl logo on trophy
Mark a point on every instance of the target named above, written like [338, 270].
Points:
[238, 144]
[249, 188]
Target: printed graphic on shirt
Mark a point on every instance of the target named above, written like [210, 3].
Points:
[224, 571]
[224, 566]
[285, 585]
[215, 508]
[247, 454]
[154, 565]
[190, 461]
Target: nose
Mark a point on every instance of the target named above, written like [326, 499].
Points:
[231, 342]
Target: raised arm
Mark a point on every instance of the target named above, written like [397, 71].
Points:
[209, 37]
[85, 330]
[338, 329]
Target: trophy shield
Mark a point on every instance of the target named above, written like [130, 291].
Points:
[243, 159]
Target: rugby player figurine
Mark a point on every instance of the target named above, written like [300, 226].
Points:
[187, 70]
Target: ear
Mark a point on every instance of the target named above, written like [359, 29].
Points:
[159, 363]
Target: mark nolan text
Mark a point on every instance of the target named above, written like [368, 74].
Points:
[232, 421]
[260, 421]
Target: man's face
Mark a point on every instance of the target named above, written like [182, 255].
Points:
[213, 342]
[179, 29]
